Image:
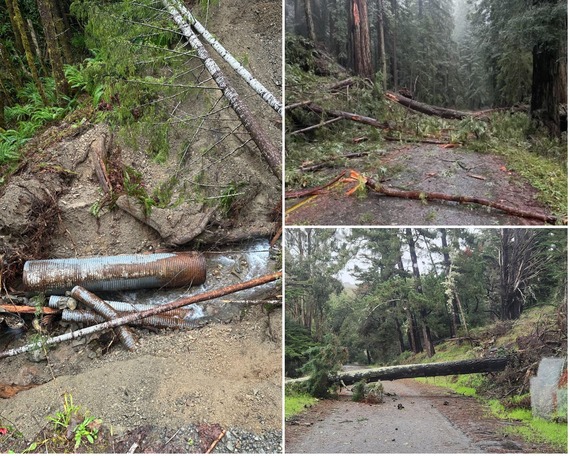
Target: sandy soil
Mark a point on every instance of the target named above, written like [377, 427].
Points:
[427, 168]
[226, 374]
[414, 418]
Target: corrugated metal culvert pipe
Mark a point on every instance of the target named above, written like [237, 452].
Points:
[122, 272]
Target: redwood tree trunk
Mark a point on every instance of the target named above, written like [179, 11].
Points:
[395, 44]
[361, 39]
[310, 21]
[381, 44]
[544, 103]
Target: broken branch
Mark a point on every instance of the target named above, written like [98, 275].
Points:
[345, 115]
[326, 163]
[314, 190]
[25, 309]
[319, 125]
[419, 195]
[215, 442]
[147, 313]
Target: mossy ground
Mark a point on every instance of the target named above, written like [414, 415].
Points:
[295, 403]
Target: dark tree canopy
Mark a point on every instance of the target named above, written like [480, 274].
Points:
[414, 287]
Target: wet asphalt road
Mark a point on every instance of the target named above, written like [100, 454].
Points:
[405, 423]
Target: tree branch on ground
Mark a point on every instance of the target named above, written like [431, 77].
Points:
[147, 313]
[419, 195]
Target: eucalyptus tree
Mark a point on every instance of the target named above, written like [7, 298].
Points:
[527, 258]
[424, 311]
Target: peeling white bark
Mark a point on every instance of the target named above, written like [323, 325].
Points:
[259, 88]
[270, 153]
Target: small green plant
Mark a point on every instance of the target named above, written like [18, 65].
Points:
[295, 403]
[75, 423]
[358, 391]
[244, 59]
[134, 187]
[164, 192]
[228, 196]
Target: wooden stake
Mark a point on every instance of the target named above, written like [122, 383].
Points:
[215, 442]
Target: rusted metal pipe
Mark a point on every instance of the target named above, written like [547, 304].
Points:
[190, 312]
[122, 272]
[156, 321]
[102, 308]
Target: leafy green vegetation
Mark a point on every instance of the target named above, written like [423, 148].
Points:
[228, 196]
[73, 429]
[295, 403]
[29, 116]
[83, 425]
[533, 429]
[536, 157]
[323, 360]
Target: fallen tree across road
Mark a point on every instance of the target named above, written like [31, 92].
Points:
[469, 366]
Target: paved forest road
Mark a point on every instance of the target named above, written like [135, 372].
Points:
[414, 418]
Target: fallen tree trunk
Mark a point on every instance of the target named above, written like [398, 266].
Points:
[470, 366]
[447, 113]
[270, 153]
[428, 109]
[426, 196]
[147, 313]
[259, 88]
